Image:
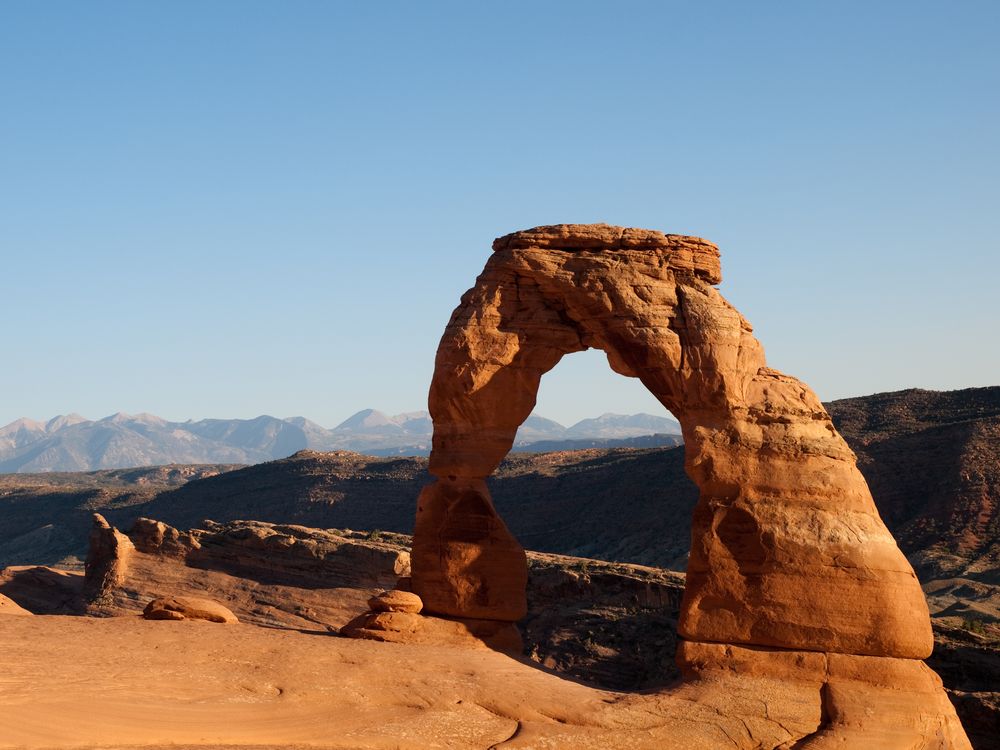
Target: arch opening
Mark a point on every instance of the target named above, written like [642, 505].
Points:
[583, 387]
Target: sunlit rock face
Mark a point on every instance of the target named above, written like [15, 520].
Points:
[788, 550]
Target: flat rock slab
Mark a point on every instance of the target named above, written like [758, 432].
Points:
[248, 686]
[188, 608]
[396, 601]
[9, 607]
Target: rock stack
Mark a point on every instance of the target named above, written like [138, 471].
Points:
[188, 608]
[394, 617]
[107, 562]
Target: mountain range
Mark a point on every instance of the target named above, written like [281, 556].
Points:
[73, 443]
[931, 459]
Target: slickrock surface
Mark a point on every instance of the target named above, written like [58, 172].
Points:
[9, 607]
[411, 628]
[193, 684]
[611, 625]
[788, 549]
[42, 590]
[204, 686]
[188, 608]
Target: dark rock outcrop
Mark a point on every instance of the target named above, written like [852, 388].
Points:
[932, 460]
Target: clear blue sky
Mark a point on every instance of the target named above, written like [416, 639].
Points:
[234, 208]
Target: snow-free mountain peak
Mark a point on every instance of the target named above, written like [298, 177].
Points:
[367, 420]
[73, 443]
[64, 420]
[23, 424]
[134, 419]
[610, 425]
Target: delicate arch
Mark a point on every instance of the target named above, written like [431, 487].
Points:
[787, 549]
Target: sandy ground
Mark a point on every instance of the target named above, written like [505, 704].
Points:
[125, 682]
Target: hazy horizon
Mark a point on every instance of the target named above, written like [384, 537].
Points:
[181, 420]
[654, 408]
[233, 209]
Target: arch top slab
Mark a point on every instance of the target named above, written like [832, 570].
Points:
[788, 549]
[681, 252]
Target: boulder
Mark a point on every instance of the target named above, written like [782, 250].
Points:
[188, 608]
[396, 601]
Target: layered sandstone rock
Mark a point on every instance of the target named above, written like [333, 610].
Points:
[276, 575]
[290, 553]
[107, 561]
[788, 550]
[281, 553]
[155, 537]
[411, 628]
[9, 607]
[188, 608]
[394, 617]
[396, 601]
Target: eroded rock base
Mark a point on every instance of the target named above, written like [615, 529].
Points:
[407, 627]
[746, 697]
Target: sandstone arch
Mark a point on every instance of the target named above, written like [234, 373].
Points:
[802, 624]
[788, 549]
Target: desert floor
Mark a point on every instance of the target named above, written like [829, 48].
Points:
[127, 682]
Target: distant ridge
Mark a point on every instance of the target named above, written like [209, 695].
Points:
[74, 443]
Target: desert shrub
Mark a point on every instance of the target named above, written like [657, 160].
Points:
[974, 626]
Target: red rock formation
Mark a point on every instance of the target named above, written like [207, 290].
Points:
[251, 547]
[275, 575]
[399, 626]
[788, 550]
[188, 608]
[396, 601]
[155, 537]
[107, 561]
[9, 607]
